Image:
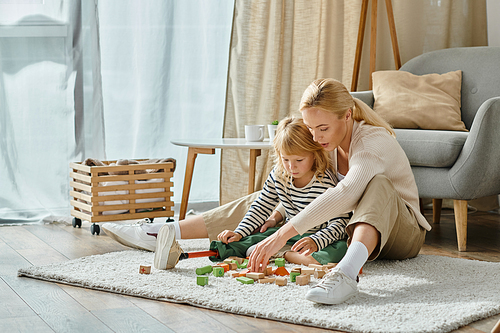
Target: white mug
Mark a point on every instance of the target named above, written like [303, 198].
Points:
[272, 131]
[254, 132]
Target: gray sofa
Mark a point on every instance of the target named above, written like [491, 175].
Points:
[458, 165]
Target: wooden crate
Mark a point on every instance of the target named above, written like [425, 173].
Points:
[97, 196]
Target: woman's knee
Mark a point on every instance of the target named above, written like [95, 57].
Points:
[380, 183]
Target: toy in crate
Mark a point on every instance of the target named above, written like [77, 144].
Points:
[104, 191]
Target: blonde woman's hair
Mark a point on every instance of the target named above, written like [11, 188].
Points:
[332, 96]
[294, 138]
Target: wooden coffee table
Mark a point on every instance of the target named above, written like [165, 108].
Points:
[208, 146]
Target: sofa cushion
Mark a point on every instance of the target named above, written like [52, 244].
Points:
[430, 101]
[439, 149]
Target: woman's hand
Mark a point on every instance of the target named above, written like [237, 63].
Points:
[305, 246]
[268, 247]
[228, 236]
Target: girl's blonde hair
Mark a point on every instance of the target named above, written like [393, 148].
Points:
[332, 96]
[294, 138]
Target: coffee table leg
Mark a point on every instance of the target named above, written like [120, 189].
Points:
[192, 154]
[251, 169]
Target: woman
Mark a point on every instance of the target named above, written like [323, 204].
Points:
[376, 182]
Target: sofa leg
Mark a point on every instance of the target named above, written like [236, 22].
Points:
[461, 223]
[436, 210]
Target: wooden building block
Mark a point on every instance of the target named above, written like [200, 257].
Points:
[281, 271]
[228, 261]
[238, 259]
[234, 274]
[296, 269]
[319, 273]
[218, 271]
[315, 266]
[202, 280]
[293, 275]
[145, 269]
[225, 266]
[307, 271]
[244, 272]
[267, 280]
[330, 265]
[280, 262]
[204, 270]
[303, 279]
[281, 281]
[244, 264]
[255, 275]
[269, 270]
[245, 280]
[233, 266]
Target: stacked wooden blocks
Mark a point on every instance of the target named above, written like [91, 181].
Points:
[299, 275]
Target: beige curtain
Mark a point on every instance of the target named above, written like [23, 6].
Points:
[279, 47]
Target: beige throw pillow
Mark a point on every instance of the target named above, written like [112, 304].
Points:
[430, 101]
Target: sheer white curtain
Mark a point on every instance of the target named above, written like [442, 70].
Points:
[125, 79]
[164, 70]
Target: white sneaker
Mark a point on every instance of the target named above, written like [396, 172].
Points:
[168, 250]
[334, 288]
[132, 235]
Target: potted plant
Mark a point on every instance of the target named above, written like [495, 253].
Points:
[272, 129]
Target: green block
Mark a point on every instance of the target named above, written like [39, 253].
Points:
[293, 275]
[202, 280]
[218, 271]
[244, 264]
[245, 280]
[280, 262]
[204, 270]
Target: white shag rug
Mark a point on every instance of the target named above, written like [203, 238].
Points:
[424, 294]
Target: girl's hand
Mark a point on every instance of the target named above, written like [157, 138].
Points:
[305, 246]
[270, 223]
[228, 236]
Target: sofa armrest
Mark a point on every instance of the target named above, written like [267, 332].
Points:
[365, 96]
[475, 173]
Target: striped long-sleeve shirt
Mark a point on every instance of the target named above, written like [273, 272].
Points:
[294, 199]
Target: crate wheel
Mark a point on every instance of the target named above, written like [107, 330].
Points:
[76, 222]
[95, 229]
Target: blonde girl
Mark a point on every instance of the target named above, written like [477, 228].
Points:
[302, 172]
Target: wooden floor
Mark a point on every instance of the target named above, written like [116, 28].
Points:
[28, 305]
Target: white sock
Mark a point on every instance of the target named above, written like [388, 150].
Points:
[250, 250]
[354, 259]
[177, 229]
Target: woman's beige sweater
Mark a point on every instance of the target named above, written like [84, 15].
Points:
[373, 151]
